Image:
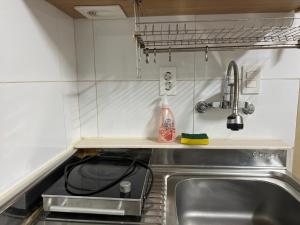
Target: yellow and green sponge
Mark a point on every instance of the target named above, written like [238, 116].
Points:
[194, 139]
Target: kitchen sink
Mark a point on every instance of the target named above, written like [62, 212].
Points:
[267, 199]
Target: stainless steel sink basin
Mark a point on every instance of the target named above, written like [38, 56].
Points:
[232, 200]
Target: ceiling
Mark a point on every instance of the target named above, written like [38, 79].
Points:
[183, 7]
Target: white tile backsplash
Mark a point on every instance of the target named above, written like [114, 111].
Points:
[132, 108]
[22, 33]
[128, 109]
[66, 44]
[128, 106]
[71, 110]
[32, 128]
[85, 49]
[273, 64]
[39, 114]
[115, 50]
[88, 109]
[37, 43]
[274, 117]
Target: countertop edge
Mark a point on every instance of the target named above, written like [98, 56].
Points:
[272, 144]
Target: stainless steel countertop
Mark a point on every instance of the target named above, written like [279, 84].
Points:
[156, 209]
[169, 162]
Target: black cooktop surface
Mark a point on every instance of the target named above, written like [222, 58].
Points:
[102, 170]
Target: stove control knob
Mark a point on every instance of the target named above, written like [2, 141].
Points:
[125, 187]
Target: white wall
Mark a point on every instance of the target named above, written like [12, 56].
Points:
[39, 113]
[115, 103]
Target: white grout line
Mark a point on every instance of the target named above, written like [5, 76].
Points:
[131, 80]
[46, 81]
[197, 79]
[77, 76]
[95, 73]
[194, 92]
[62, 95]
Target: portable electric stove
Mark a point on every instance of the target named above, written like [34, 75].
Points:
[114, 182]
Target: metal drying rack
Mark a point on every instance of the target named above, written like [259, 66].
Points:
[215, 35]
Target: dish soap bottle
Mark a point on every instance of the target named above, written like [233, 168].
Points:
[167, 131]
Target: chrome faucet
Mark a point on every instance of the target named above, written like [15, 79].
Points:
[235, 120]
[230, 100]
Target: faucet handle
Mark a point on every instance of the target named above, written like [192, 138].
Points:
[202, 106]
[248, 108]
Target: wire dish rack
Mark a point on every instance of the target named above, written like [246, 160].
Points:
[201, 35]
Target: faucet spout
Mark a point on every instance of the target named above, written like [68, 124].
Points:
[235, 120]
[236, 85]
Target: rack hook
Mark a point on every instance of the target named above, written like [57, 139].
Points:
[206, 53]
[154, 53]
[170, 56]
[147, 55]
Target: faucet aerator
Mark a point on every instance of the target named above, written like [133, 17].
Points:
[235, 122]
